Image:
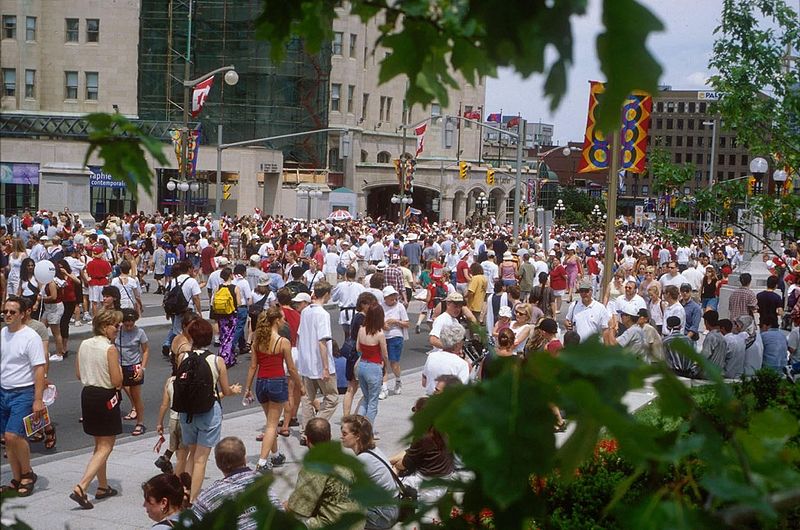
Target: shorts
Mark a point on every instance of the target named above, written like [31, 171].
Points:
[273, 390]
[15, 404]
[158, 276]
[96, 293]
[127, 376]
[205, 429]
[560, 292]
[394, 348]
[175, 438]
[52, 314]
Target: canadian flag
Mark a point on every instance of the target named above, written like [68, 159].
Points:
[420, 132]
[199, 95]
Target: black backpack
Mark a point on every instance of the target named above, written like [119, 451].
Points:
[175, 303]
[194, 391]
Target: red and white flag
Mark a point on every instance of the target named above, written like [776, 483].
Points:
[199, 95]
[420, 132]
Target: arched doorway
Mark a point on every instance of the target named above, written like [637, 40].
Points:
[379, 203]
[459, 206]
[496, 205]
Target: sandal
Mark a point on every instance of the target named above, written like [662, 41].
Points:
[50, 437]
[139, 430]
[12, 486]
[81, 498]
[260, 437]
[284, 432]
[131, 415]
[108, 491]
[38, 436]
[25, 489]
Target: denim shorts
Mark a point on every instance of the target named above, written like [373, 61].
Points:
[205, 429]
[273, 390]
[394, 348]
[15, 404]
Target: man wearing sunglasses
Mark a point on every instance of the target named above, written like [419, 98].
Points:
[23, 366]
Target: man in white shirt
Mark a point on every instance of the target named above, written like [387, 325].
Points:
[377, 252]
[694, 277]
[345, 294]
[447, 360]
[315, 362]
[39, 252]
[682, 257]
[454, 309]
[587, 316]
[191, 292]
[241, 331]
[674, 308]
[632, 298]
[672, 277]
[491, 271]
[22, 364]
[348, 258]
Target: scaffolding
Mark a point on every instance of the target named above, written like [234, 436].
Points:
[269, 100]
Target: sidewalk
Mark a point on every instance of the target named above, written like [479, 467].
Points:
[131, 464]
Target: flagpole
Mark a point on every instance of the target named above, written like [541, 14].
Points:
[611, 212]
[458, 142]
[186, 90]
[480, 137]
[518, 184]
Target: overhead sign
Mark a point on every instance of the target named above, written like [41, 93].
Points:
[101, 179]
[15, 173]
[709, 95]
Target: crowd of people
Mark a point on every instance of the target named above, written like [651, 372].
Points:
[269, 285]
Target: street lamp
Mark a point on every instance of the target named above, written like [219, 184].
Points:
[403, 200]
[482, 203]
[309, 192]
[779, 177]
[758, 167]
[560, 208]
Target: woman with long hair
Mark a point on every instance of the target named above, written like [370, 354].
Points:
[70, 297]
[52, 311]
[371, 343]
[130, 290]
[97, 366]
[522, 326]
[227, 322]
[572, 264]
[363, 303]
[15, 259]
[708, 290]
[271, 351]
[28, 287]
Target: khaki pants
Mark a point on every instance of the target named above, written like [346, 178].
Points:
[330, 398]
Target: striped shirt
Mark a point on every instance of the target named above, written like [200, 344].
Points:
[223, 489]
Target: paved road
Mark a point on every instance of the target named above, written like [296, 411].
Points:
[66, 410]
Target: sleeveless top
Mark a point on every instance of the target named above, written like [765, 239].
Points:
[507, 272]
[370, 353]
[270, 365]
[93, 359]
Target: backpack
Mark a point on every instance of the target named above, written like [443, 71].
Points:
[256, 308]
[175, 302]
[441, 291]
[223, 303]
[193, 387]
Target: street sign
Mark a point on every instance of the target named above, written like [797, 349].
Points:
[729, 231]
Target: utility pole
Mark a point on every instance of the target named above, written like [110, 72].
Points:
[518, 183]
[611, 208]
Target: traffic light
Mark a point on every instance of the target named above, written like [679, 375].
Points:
[463, 169]
[226, 191]
[751, 185]
[490, 176]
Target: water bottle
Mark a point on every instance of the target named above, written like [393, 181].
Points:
[247, 400]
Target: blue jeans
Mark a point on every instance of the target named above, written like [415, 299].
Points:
[241, 320]
[370, 379]
[175, 330]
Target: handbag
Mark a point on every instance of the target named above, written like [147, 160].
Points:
[409, 497]
[348, 349]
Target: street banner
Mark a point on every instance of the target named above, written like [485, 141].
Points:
[634, 133]
[199, 95]
[420, 133]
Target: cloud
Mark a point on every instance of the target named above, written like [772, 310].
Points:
[697, 80]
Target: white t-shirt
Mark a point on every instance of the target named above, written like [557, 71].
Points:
[588, 321]
[190, 288]
[214, 281]
[674, 310]
[330, 263]
[244, 288]
[345, 294]
[22, 350]
[128, 292]
[311, 278]
[395, 312]
[682, 254]
[315, 326]
[441, 362]
[441, 322]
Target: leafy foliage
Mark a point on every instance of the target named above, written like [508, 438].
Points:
[122, 146]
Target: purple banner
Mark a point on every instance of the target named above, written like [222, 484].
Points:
[14, 173]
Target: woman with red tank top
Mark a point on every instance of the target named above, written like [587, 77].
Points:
[374, 358]
[271, 351]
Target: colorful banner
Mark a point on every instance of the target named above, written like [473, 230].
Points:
[199, 95]
[635, 126]
[14, 173]
[192, 150]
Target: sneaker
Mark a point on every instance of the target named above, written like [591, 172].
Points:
[87, 317]
[264, 470]
[165, 350]
[163, 463]
[789, 373]
[398, 387]
[278, 460]
[54, 358]
[417, 329]
[78, 323]
[216, 341]
[72, 320]
[384, 392]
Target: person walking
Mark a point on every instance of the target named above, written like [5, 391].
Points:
[71, 299]
[396, 331]
[226, 299]
[98, 367]
[134, 352]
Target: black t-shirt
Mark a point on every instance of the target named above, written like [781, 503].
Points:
[768, 304]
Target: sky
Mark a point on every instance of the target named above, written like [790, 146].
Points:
[683, 49]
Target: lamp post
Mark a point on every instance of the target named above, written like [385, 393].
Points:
[482, 203]
[309, 192]
[560, 208]
[403, 201]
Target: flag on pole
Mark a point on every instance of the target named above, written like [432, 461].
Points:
[493, 117]
[473, 115]
[513, 122]
[420, 133]
[621, 182]
[199, 95]
[411, 211]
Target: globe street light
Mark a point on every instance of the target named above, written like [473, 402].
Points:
[758, 167]
[780, 177]
[309, 192]
[560, 208]
[482, 203]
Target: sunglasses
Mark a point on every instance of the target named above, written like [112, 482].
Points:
[9, 312]
[521, 312]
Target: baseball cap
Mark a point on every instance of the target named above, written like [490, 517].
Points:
[255, 258]
[644, 313]
[302, 297]
[389, 291]
[673, 322]
[222, 261]
[549, 325]
[585, 286]
[455, 297]
[686, 288]
[505, 311]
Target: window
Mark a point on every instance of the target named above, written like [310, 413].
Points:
[679, 141]
[30, 28]
[9, 27]
[364, 156]
[70, 85]
[634, 189]
[689, 141]
[660, 106]
[679, 123]
[365, 57]
[353, 41]
[690, 124]
[436, 110]
[669, 141]
[91, 86]
[92, 30]
[385, 111]
[73, 28]
[406, 112]
[681, 107]
[691, 107]
[702, 108]
[688, 158]
[384, 157]
[722, 141]
[336, 95]
[730, 174]
[388, 115]
[721, 160]
[364, 106]
[731, 160]
[337, 42]
[698, 158]
[9, 82]
[678, 157]
[670, 106]
[699, 141]
[720, 176]
[30, 84]
[645, 190]
[669, 123]
[351, 89]
[510, 205]
[744, 160]
[659, 123]
[698, 175]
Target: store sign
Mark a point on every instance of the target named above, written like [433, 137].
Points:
[708, 95]
[13, 173]
[101, 179]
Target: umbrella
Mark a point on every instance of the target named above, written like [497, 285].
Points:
[340, 215]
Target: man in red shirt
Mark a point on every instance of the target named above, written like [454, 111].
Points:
[292, 317]
[207, 264]
[462, 272]
[98, 271]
